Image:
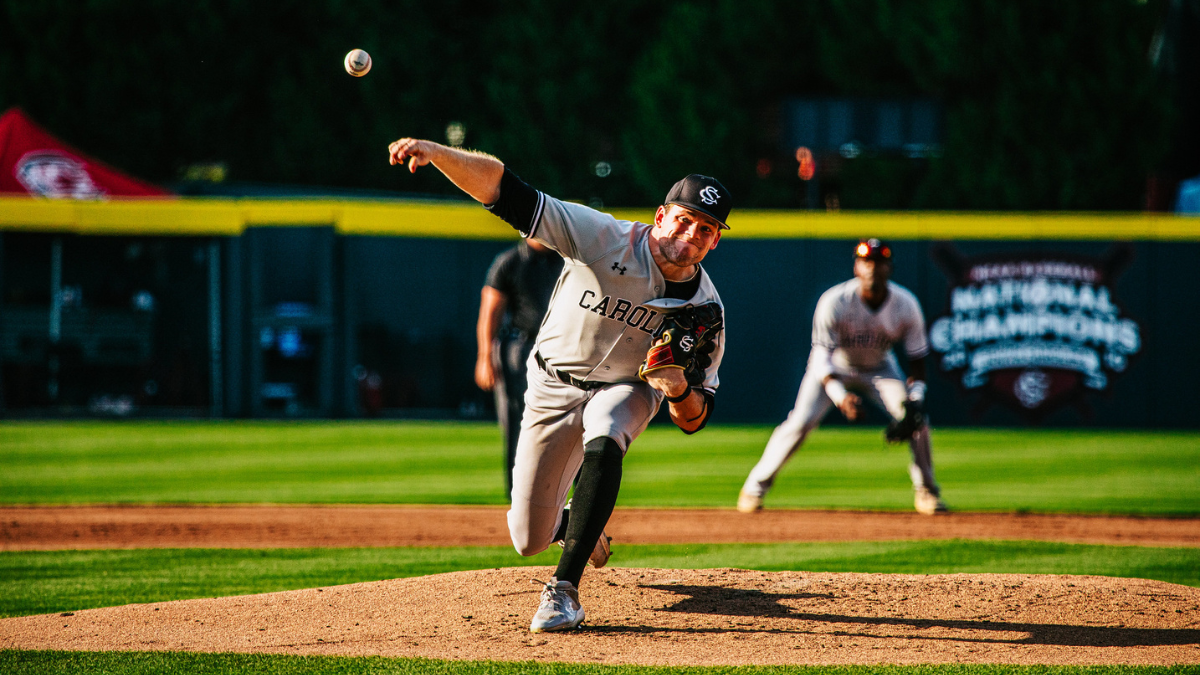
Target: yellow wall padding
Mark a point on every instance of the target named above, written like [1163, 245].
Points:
[466, 220]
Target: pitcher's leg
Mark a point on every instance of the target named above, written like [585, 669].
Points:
[592, 505]
[612, 419]
[541, 479]
[549, 453]
[620, 412]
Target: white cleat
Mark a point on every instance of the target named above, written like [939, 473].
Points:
[560, 609]
[928, 503]
[748, 503]
[602, 552]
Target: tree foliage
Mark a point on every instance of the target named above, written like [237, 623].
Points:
[1048, 105]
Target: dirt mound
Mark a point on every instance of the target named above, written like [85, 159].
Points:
[672, 617]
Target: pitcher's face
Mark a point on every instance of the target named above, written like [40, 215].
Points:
[684, 236]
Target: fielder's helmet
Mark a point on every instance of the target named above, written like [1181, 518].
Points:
[873, 249]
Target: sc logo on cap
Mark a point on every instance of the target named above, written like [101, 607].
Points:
[709, 195]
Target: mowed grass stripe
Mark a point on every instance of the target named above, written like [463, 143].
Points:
[140, 663]
[1076, 471]
[325, 462]
[38, 582]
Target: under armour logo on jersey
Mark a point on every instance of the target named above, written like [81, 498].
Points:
[709, 195]
[617, 266]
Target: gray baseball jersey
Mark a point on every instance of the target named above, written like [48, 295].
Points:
[860, 338]
[857, 342]
[608, 299]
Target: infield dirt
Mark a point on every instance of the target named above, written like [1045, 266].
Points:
[80, 527]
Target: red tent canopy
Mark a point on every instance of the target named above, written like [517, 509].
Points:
[33, 162]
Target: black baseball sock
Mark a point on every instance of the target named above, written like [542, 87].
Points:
[595, 497]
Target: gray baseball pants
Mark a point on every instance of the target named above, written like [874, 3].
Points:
[559, 420]
[884, 387]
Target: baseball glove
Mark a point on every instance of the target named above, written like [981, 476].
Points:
[685, 339]
[903, 429]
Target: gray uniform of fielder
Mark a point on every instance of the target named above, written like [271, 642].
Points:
[605, 306]
[853, 342]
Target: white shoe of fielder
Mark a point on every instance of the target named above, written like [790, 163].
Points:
[748, 503]
[560, 609]
[928, 503]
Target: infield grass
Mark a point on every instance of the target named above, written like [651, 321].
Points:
[138, 663]
[40, 582]
[1068, 471]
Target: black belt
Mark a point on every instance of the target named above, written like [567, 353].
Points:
[564, 377]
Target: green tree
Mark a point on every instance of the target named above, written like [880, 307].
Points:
[1047, 105]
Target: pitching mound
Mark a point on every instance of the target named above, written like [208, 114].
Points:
[672, 617]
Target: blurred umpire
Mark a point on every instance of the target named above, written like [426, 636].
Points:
[519, 284]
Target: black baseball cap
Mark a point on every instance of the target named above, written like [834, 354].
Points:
[873, 249]
[703, 194]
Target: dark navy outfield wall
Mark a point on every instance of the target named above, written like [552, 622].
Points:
[410, 308]
[303, 321]
[771, 289]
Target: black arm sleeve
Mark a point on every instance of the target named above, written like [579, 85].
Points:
[518, 203]
[709, 402]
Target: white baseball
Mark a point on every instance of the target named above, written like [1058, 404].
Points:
[358, 62]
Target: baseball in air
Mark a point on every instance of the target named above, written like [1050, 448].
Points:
[358, 62]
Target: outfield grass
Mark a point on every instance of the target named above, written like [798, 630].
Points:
[1076, 471]
[41, 582]
[56, 663]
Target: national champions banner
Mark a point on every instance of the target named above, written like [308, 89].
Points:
[1033, 331]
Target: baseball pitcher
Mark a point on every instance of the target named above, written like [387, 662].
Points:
[854, 328]
[634, 320]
